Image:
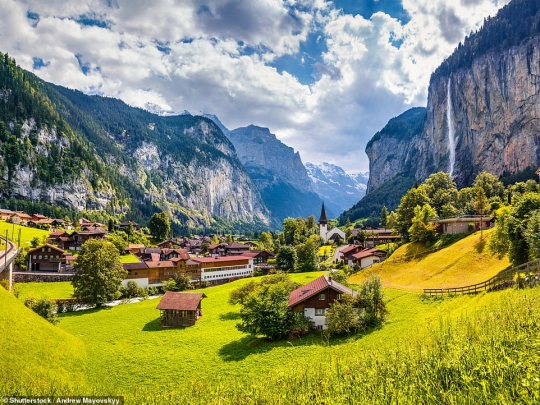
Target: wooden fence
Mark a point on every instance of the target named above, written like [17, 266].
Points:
[527, 274]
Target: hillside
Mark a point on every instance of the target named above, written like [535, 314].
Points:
[37, 357]
[65, 148]
[465, 262]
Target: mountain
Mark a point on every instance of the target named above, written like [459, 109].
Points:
[335, 186]
[277, 171]
[65, 148]
[482, 109]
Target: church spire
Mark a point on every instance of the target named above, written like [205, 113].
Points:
[322, 219]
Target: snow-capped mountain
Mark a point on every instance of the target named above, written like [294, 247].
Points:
[336, 186]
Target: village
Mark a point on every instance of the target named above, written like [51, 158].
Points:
[206, 263]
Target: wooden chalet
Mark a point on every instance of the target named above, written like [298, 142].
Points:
[235, 249]
[180, 309]
[259, 256]
[46, 258]
[367, 257]
[125, 225]
[347, 252]
[6, 214]
[314, 298]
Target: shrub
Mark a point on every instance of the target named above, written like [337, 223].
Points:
[153, 290]
[44, 308]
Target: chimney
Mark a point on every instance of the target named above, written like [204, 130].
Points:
[329, 279]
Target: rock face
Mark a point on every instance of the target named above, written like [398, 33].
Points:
[278, 172]
[335, 186]
[493, 108]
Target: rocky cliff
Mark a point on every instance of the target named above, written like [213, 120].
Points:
[482, 111]
[278, 173]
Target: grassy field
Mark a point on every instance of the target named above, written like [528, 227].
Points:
[36, 357]
[27, 234]
[465, 262]
[56, 290]
[471, 349]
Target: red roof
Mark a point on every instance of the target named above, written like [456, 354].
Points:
[180, 301]
[218, 259]
[316, 286]
[350, 248]
[369, 252]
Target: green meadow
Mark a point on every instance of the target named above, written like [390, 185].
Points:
[457, 350]
[27, 233]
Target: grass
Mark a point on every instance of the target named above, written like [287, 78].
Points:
[468, 261]
[36, 356]
[27, 234]
[129, 258]
[56, 290]
[467, 349]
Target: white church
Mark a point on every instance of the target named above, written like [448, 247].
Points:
[326, 234]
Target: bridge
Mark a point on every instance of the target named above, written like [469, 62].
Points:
[7, 257]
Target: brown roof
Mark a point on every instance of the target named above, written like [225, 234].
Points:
[135, 246]
[217, 259]
[236, 245]
[350, 248]
[255, 253]
[155, 265]
[45, 246]
[314, 287]
[135, 266]
[180, 301]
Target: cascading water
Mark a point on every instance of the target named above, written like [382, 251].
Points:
[450, 121]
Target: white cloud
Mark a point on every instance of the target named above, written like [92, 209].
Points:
[373, 69]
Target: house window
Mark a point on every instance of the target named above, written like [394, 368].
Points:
[339, 296]
[319, 311]
[34, 257]
[322, 297]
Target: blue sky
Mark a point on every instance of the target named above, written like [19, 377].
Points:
[324, 76]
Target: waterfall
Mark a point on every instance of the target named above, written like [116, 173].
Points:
[450, 121]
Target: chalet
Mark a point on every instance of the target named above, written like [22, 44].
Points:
[367, 257]
[5, 214]
[45, 223]
[152, 272]
[55, 235]
[314, 299]
[46, 258]
[259, 256]
[180, 308]
[125, 225]
[347, 252]
[172, 243]
[217, 249]
[20, 217]
[75, 240]
[461, 224]
[37, 217]
[235, 249]
[169, 254]
[134, 247]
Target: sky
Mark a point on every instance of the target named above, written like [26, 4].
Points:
[323, 75]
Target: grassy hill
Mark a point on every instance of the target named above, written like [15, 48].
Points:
[36, 356]
[27, 234]
[465, 262]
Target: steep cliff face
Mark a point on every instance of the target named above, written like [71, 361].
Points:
[278, 172]
[483, 107]
[494, 110]
[391, 150]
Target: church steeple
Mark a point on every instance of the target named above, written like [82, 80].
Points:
[322, 219]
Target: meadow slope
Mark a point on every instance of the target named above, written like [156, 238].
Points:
[468, 261]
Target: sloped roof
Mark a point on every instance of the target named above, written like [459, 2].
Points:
[180, 301]
[218, 259]
[350, 248]
[237, 245]
[369, 252]
[45, 246]
[135, 266]
[322, 219]
[316, 286]
[159, 264]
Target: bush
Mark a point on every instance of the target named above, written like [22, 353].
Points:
[153, 290]
[342, 317]
[44, 308]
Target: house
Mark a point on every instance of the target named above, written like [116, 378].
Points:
[461, 224]
[20, 217]
[5, 214]
[347, 252]
[134, 247]
[125, 225]
[367, 257]
[180, 308]
[314, 299]
[259, 256]
[170, 254]
[172, 243]
[235, 249]
[46, 258]
[37, 217]
[374, 236]
[217, 249]
[152, 272]
[75, 240]
[326, 234]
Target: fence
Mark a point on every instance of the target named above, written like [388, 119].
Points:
[527, 273]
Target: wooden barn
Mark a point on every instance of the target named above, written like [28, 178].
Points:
[180, 309]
